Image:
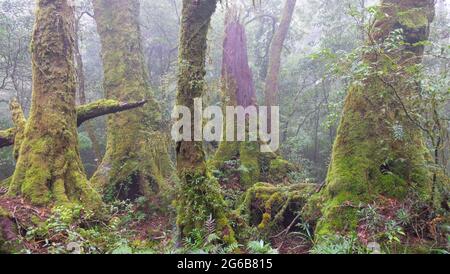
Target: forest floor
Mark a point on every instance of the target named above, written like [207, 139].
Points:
[129, 228]
[157, 228]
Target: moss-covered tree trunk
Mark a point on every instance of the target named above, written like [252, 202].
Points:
[199, 195]
[49, 168]
[380, 148]
[136, 162]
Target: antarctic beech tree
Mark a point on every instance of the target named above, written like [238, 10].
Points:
[136, 162]
[239, 90]
[276, 48]
[380, 147]
[199, 196]
[49, 167]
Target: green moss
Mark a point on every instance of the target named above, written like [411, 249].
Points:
[413, 18]
[266, 206]
[200, 198]
[279, 170]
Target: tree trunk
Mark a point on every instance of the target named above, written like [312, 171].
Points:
[200, 196]
[136, 162]
[238, 89]
[368, 160]
[49, 168]
[271, 91]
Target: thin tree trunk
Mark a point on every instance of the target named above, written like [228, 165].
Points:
[276, 48]
[82, 92]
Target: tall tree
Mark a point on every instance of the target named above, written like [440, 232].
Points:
[136, 162]
[49, 167]
[380, 147]
[276, 48]
[200, 196]
[238, 89]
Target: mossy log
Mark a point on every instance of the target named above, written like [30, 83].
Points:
[87, 112]
[271, 207]
[367, 160]
[136, 162]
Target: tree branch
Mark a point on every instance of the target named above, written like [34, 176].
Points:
[84, 113]
[104, 107]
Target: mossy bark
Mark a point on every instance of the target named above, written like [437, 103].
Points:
[136, 162]
[200, 194]
[368, 160]
[49, 168]
[7, 137]
[20, 122]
